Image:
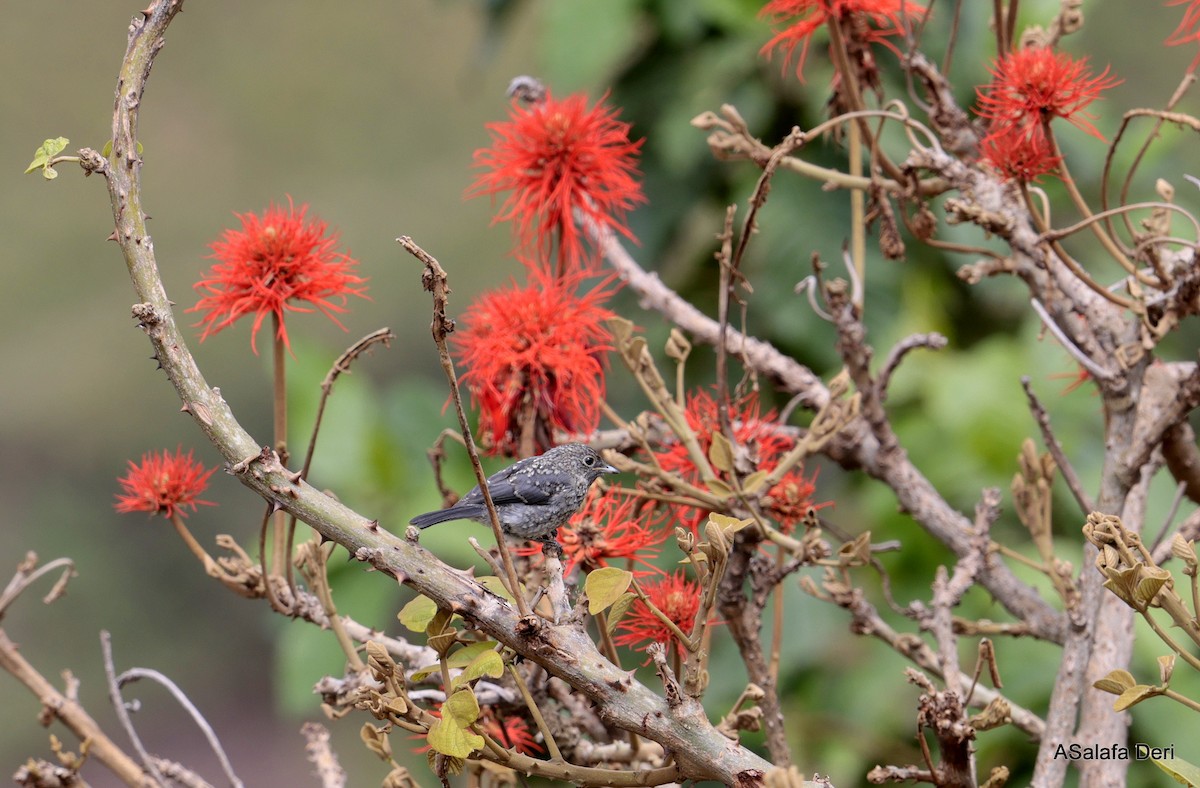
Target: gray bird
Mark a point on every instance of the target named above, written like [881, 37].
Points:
[533, 496]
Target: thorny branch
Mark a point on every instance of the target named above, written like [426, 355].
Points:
[564, 651]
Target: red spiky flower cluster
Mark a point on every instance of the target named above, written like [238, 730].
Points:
[764, 445]
[803, 18]
[511, 731]
[560, 160]
[677, 597]
[271, 265]
[1029, 88]
[613, 526]
[1023, 155]
[164, 483]
[535, 352]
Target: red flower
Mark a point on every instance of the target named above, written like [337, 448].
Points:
[163, 484]
[1019, 151]
[1031, 86]
[676, 596]
[557, 160]
[535, 352]
[271, 263]
[886, 15]
[511, 731]
[1189, 27]
[764, 445]
[613, 526]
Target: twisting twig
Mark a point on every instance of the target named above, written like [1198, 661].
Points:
[1185, 84]
[1085, 361]
[28, 572]
[136, 674]
[433, 279]
[340, 365]
[932, 341]
[114, 693]
[314, 561]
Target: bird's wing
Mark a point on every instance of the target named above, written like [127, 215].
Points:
[522, 490]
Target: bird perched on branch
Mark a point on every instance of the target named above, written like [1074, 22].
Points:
[533, 496]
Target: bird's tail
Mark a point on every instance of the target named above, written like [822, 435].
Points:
[444, 515]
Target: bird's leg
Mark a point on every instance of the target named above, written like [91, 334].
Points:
[550, 545]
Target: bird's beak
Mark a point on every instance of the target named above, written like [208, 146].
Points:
[609, 469]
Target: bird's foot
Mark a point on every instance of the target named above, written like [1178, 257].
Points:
[550, 545]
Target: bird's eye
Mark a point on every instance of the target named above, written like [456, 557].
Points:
[589, 461]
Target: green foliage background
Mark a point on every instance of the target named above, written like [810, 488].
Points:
[370, 111]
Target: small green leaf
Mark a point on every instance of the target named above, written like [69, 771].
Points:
[604, 587]
[720, 453]
[728, 525]
[417, 614]
[463, 657]
[618, 610]
[718, 488]
[442, 642]
[1184, 772]
[450, 734]
[424, 673]
[1116, 682]
[488, 663]
[43, 155]
[440, 623]
[755, 480]
[1151, 582]
[1134, 695]
[107, 149]
[1166, 668]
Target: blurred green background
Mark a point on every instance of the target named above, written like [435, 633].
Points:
[369, 112]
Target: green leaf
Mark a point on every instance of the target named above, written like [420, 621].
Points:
[463, 657]
[1150, 583]
[755, 480]
[1184, 772]
[1116, 682]
[488, 663]
[417, 614]
[450, 734]
[728, 525]
[107, 149]
[443, 641]
[618, 610]
[424, 673]
[43, 155]
[605, 586]
[720, 453]
[1134, 695]
[718, 488]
